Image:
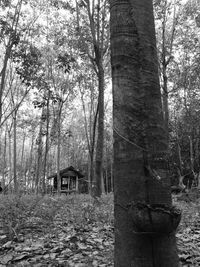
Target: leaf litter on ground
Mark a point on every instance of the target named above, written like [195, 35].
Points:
[75, 231]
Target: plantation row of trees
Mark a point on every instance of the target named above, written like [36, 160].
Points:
[55, 89]
[55, 69]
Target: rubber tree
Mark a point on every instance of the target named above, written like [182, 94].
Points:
[145, 220]
[11, 39]
[90, 124]
[96, 11]
[167, 36]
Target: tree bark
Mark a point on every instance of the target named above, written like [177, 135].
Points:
[15, 152]
[29, 179]
[10, 155]
[3, 76]
[164, 65]
[4, 162]
[96, 15]
[22, 161]
[192, 160]
[39, 155]
[9, 46]
[58, 150]
[166, 58]
[90, 135]
[100, 136]
[140, 140]
[165, 97]
[179, 157]
[111, 175]
[46, 146]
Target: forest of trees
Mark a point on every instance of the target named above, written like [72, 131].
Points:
[56, 95]
[110, 88]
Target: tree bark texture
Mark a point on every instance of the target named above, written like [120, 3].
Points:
[166, 58]
[164, 70]
[165, 102]
[23, 160]
[10, 155]
[58, 150]
[3, 76]
[46, 146]
[140, 140]
[39, 156]
[15, 152]
[4, 162]
[100, 132]
[9, 46]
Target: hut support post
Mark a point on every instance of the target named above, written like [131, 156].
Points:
[69, 184]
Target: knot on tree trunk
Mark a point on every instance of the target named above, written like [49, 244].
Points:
[156, 219]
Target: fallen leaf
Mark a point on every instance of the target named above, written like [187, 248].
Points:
[6, 258]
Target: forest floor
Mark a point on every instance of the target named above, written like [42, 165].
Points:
[75, 231]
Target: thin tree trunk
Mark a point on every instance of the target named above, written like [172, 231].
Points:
[197, 157]
[15, 152]
[192, 160]
[91, 136]
[58, 152]
[100, 137]
[111, 174]
[179, 158]
[191, 154]
[102, 183]
[165, 101]
[164, 71]
[3, 76]
[29, 167]
[22, 159]
[92, 150]
[166, 59]
[91, 172]
[4, 162]
[96, 17]
[10, 156]
[106, 177]
[39, 156]
[141, 180]
[197, 149]
[46, 146]
[9, 46]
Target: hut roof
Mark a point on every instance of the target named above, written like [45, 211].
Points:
[70, 171]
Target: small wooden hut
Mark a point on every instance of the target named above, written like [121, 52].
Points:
[69, 180]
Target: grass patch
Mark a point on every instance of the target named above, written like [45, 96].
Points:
[34, 211]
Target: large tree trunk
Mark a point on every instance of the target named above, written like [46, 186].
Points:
[141, 181]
